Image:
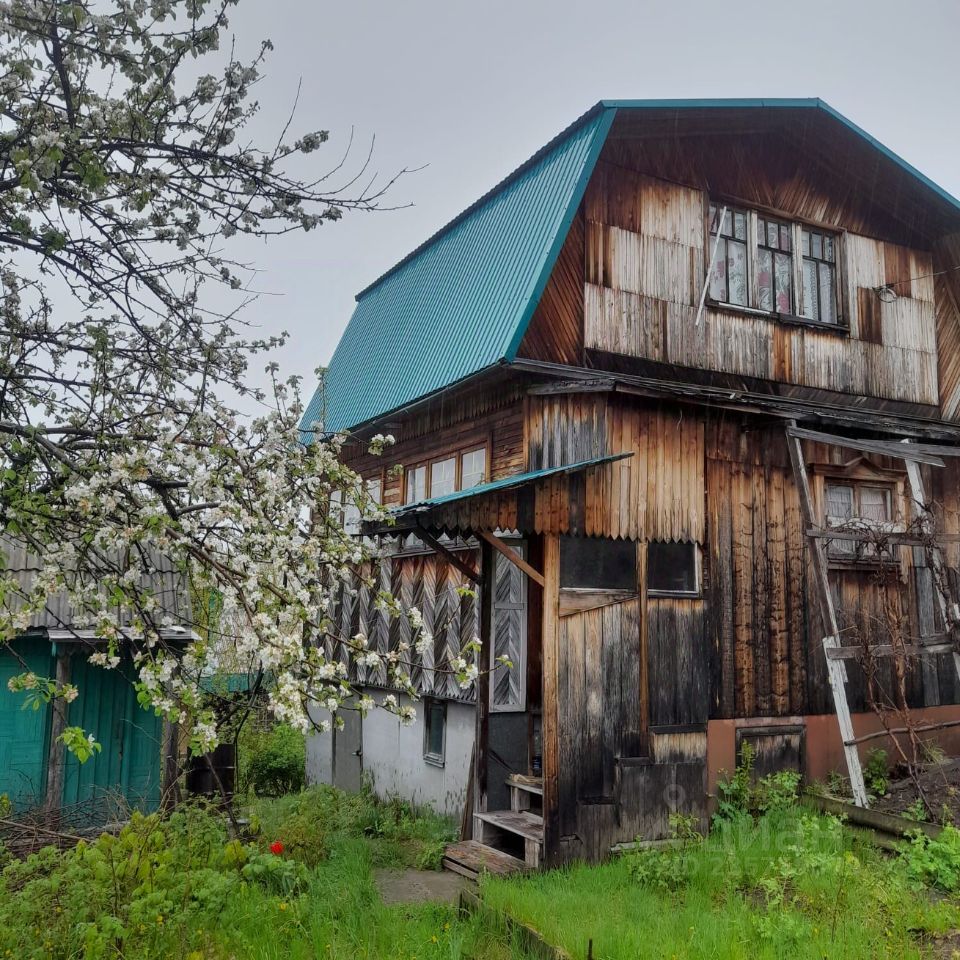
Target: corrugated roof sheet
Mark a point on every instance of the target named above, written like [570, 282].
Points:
[167, 584]
[461, 302]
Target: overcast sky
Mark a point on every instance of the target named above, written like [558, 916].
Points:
[469, 90]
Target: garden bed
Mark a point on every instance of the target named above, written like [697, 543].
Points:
[940, 783]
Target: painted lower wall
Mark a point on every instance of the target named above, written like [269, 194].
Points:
[822, 746]
[391, 757]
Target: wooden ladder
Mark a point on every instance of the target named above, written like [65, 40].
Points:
[835, 653]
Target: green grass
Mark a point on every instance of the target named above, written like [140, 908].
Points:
[179, 888]
[796, 885]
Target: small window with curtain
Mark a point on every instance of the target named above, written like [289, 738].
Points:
[862, 508]
[728, 279]
[774, 266]
[435, 732]
[673, 569]
[819, 273]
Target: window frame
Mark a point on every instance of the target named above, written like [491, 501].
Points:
[485, 447]
[694, 594]
[858, 521]
[429, 705]
[795, 316]
[861, 472]
[457, 454]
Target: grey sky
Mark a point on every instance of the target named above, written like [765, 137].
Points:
[472, 89]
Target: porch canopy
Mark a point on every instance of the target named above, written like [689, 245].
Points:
[554, 500]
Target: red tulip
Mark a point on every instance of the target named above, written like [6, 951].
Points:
[276, 847]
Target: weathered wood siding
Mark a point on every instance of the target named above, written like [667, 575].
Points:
[645, 267]
[947, 299]
[556, 328]
[491, 417]
[656, 494]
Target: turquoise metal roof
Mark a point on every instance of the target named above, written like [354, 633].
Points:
[412, 510]
[461, 302]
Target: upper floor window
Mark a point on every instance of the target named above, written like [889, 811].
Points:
[819, 276]
[728, 279]
[445, 475]
[416, 485]
[756, 264]
[473, 468]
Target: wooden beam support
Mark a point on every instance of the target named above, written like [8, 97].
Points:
[551, 697]
[449, 555]
[888, 650]
[835, 668]
[911, 453]
[903, 539]
[921, 512]
[511, 555]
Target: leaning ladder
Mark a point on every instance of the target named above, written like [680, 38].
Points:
[833, 650]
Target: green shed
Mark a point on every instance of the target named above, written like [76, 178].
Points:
[35, 770]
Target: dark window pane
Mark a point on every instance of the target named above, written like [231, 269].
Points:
[436, 715]
[672, 567]
[598, 563]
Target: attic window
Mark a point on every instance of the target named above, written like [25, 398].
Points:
[777, 267]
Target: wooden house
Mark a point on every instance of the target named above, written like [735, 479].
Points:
[633, 389]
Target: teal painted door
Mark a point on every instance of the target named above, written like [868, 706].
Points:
[127, 770]
[23, 733]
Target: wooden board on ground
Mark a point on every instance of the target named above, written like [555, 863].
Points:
[470, 858]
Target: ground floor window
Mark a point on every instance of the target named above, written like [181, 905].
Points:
[435, 732]
[673, 569]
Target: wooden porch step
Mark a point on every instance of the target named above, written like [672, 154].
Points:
[528, 784]
[521, 822]
[470, 858]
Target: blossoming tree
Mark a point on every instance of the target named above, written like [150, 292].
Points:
[121, 184]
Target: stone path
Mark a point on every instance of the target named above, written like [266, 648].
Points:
[419, 886]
